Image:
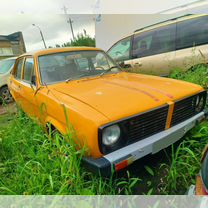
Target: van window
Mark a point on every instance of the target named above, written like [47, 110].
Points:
[192, 32]
[28, 69]
[121, 50]
[19, 69]
[157, 41]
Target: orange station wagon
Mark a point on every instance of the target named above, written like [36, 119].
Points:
[120, 116]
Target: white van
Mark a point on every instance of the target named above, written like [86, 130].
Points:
[180, 43]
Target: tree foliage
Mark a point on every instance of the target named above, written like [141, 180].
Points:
[81, 40]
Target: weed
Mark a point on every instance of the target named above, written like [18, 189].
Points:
[34, 163]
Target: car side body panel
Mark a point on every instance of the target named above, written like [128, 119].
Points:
[88, 103]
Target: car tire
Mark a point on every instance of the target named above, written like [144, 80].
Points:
[5, 96]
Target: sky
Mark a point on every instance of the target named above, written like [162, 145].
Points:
[19, 15]
[54, 27]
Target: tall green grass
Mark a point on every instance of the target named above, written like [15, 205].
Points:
[197, 75]
[32, 162]
[185, 159]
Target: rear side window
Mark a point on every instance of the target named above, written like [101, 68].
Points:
[19, 69]
[192, 32]
[28, 69]
[157, 41]
[121, 50]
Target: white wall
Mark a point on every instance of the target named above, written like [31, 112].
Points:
[113, 27]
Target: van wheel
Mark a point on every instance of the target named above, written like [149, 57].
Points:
[5, 96]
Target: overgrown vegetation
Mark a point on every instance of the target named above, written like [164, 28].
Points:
[185, 160]
[197, 75]
[31, 162]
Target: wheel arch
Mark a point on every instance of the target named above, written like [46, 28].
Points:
[55, 124]
[5, 85]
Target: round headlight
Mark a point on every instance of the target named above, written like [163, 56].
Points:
[111, 135]
[199, 103]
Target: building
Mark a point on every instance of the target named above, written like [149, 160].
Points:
[12, 45]
[109, 28]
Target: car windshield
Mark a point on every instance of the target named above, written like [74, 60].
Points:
[66, 66]
[6, 65]
[204, 171]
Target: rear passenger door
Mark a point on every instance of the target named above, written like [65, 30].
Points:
[192, 42]
[28, 88]
[153, 51]
[15, 81]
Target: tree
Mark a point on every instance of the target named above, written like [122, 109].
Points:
[81, 40]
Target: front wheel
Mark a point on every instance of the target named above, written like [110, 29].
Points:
[5, 96]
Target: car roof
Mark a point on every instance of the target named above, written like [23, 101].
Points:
[170, 21]
[58, 50]
[163, 23]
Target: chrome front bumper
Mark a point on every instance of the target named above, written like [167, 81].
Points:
[137, 150]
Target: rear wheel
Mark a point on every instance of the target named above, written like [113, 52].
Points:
[5, 96]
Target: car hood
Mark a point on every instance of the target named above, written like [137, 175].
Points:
[125, 94]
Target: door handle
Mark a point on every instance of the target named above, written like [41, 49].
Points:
[138, 63]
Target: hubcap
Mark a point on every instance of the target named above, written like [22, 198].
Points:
[6, 96]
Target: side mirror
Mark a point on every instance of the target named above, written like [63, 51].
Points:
[124, 66]
[33, 80]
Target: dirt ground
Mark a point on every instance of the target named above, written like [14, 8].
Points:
[8, 108]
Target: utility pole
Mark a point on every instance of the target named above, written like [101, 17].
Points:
[69, 21]
[41, 34]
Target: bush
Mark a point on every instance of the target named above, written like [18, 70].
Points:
[197, 75]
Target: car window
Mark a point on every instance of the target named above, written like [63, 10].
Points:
[82, 64]
[28, 69]
[157, 41]
[6, 65]
[192, 32]
[121, 50]
[64, 66]
[19, 69]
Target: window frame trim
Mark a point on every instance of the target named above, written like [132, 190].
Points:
[177, 25]
[15, 68]
[155, 30]
[26, 57]
[130, 47]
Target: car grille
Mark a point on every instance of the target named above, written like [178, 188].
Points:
[146, 124]
[141, 126]
[185, 109]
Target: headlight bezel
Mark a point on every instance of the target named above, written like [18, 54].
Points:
[111, 129]
[105, 149]
[200, 102]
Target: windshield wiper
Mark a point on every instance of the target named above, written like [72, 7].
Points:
[108, 70]
[77, 77]
[68, 80]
